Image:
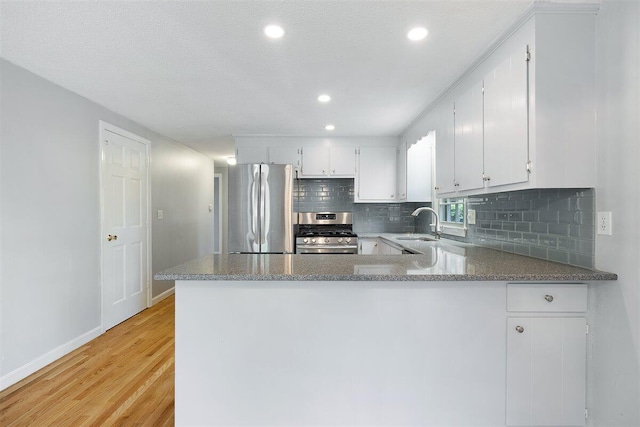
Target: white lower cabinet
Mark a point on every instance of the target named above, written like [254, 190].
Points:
[546, 356]
[389, 249]
[368, 246]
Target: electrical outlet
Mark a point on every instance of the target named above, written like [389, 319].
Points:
[603, 223]
[471, 216]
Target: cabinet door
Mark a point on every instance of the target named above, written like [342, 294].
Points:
[419, 167]
[315, 161]
[376, 174]
[401, 169]
[546, 370]
[468, 139]
[367, 246]
[342, 161]
[387, 249]
[505, 122]
[445, 151]
[251, 154]
[285, 156]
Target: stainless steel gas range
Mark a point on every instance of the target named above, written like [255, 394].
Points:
[326, 233]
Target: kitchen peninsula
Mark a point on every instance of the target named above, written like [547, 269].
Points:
[458, 335]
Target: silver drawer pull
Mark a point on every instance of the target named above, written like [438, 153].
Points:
[519, 329]
[549, 298]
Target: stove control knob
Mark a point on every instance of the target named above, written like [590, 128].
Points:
[326, 240]
[339, 239]
[305, 240]
[313, 240]
[348, 239]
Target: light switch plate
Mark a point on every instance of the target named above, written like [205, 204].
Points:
[603, 223]
[471, 216]
[160, 214]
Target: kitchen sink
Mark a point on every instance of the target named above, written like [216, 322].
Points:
[424, 239]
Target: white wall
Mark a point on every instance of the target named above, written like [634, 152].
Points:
[614, 383]
[50, 217]
[182, 186]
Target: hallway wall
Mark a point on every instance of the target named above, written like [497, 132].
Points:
[50, 217]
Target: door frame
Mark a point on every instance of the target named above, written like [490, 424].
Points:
[217, 208]
[103, 128]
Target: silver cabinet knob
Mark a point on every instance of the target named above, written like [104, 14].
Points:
[519, 329]
[549, 298]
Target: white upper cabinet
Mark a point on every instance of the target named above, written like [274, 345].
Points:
[256, 154]
[376, 179]
[342, 161]
[468, 140]
[285, 155]
[533, 126]
[327, 161]
[401, 169]
[505, 121]
[419, 166]
[315, 161]
[445, 177]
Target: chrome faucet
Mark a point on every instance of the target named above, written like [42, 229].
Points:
[435, 215]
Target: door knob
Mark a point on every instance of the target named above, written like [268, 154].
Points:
[112, 237]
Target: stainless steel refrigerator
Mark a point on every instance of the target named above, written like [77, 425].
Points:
[260, 208]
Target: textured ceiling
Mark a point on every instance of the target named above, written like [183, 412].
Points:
[200, 71]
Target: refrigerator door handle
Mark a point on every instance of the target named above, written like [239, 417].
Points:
[265, 207]
[254, 213]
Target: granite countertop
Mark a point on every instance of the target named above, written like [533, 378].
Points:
[441, 260]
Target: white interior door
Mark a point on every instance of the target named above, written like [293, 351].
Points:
[125, 258]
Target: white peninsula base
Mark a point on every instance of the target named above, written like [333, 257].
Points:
[355, 353]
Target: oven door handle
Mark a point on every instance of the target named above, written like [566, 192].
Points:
[328, 250]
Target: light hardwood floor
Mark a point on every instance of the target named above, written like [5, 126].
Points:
[124, 377]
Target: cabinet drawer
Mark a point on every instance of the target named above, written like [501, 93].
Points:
[546, 297]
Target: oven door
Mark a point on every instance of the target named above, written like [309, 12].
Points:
[326, 249]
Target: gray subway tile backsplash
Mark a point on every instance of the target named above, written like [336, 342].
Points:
[553, 224]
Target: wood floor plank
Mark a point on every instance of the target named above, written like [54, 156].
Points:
[124, 377]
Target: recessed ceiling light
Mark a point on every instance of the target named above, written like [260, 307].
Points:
[329, 127]
[274, 31]
[324, 98]
[231, 161]
[417, 33]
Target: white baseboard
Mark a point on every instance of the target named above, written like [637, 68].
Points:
[24, 371]
[163, 295]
